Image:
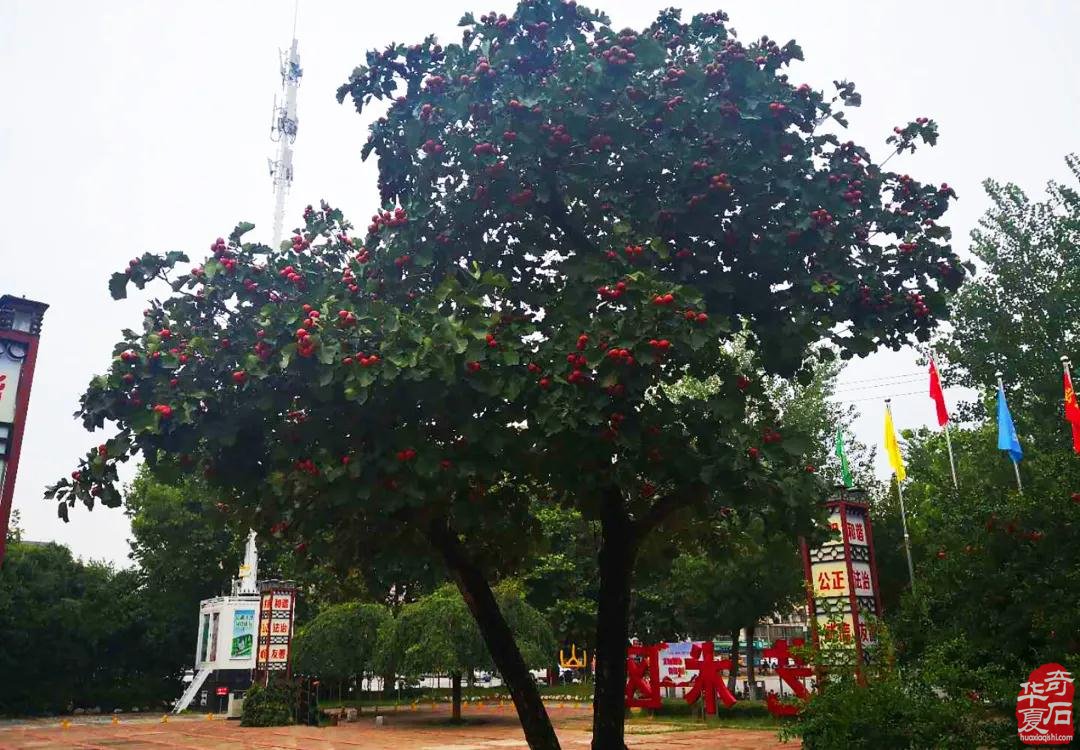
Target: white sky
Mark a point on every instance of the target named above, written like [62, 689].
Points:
[129, 126]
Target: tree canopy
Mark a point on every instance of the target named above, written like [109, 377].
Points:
[572, 217]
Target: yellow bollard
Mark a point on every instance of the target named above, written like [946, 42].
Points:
[115, 719]
[413, 707]
[209, 717]
[65, 724]
[164, 718]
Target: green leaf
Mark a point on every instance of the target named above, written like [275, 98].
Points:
[241, 229]
[118, 287]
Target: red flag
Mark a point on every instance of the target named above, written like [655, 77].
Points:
[939, 397]
[1072, 412]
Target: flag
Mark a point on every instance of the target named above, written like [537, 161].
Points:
[892, 448]
[938, 396]
[1007, 440]
[1072, 412]
[845, 469]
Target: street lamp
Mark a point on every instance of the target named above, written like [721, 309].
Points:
[20, 330]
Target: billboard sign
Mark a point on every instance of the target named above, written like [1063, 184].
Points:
[243, 634]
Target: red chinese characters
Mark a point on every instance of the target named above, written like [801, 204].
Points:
[643, 676]
[709, 681]
[792, 670]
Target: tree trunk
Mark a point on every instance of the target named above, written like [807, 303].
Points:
[474, 588]
[616, 560]
[455, 695]
[733, 675]
[751, 672]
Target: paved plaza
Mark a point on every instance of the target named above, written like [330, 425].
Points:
[488, 728]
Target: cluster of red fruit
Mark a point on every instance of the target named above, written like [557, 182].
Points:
[853, 195]
[633, 252]
[771, 436]
[402, 260]
[362, 360]
[617, 55]
[129, 356]
[263, 350]
[408, 454]
[696, 317]
[219, 247]
[719, 182]
[777, 108]
[434, 84]
[821, 217]
[346, 318]
[622, 356]
[484, 149]
[522, 197]
[299, 244]
[663, 299]
[599, 142]
[307, 466]
[239, 377]
[611, 292]
[289, 273]
[387, 219]
[164, 410]
[305, 345]
[907, 247]
[432, 146]
[918, 303]
[557, 135]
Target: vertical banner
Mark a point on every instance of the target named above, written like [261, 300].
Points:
[842, 576]
[277, 602]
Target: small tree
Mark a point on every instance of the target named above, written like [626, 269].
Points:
[438, 634]
[573, 217]
[341, 644]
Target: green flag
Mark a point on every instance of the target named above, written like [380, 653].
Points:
[845, 470]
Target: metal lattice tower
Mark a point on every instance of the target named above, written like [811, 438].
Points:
[283, 127]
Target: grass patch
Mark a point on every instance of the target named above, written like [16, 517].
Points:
[681, 716]
[572, 693]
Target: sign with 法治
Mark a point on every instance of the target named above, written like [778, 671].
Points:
[842, 591]
[243, 634]
[276, 602]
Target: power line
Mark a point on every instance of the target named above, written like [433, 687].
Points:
[881, 396]
[897, 376]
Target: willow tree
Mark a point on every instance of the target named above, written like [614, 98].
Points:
[573, 218]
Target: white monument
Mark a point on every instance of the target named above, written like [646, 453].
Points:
[225, 647]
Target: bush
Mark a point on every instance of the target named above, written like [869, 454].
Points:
[267, 706]
[922, 708]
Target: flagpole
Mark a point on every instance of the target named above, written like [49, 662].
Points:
[903, 516]
[952, 464]
[1016, 465]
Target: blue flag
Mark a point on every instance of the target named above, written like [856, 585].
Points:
[1007, 440]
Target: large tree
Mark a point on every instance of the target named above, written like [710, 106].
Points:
[572, 217]
[341, 644]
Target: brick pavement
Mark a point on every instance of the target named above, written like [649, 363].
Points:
[489, 728]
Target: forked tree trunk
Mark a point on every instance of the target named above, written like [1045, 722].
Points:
[616, 560]
[751, 671]
[733, 675]
[474, 588]
[455, 695]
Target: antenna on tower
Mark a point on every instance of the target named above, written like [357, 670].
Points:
[283, 127]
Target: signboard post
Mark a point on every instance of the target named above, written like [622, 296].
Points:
[277, 604]
[842, 587]
[20, 329]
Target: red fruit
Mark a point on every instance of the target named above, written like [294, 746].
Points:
[753, 453]
[164, 410]
[239, 377]
[472, 366]
[545, 383]
[306, 308]
[533, 367]
[345, 460]
[1076, 497]
[445, 463]
[810, 470]
[941, 554]
[702, 318]
[582, 341]
[648, 489]
[301, 548]
[75, 475]
[742, 383]
[102, 450]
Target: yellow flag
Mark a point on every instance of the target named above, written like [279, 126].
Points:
[892, 448]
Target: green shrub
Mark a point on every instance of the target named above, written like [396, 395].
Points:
[267, 706]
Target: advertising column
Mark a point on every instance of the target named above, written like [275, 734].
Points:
[20, 329]
[277, 603]
[842, 576]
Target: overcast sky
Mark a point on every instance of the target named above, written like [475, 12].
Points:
[129, 126]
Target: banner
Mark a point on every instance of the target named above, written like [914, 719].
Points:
[243, 634]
